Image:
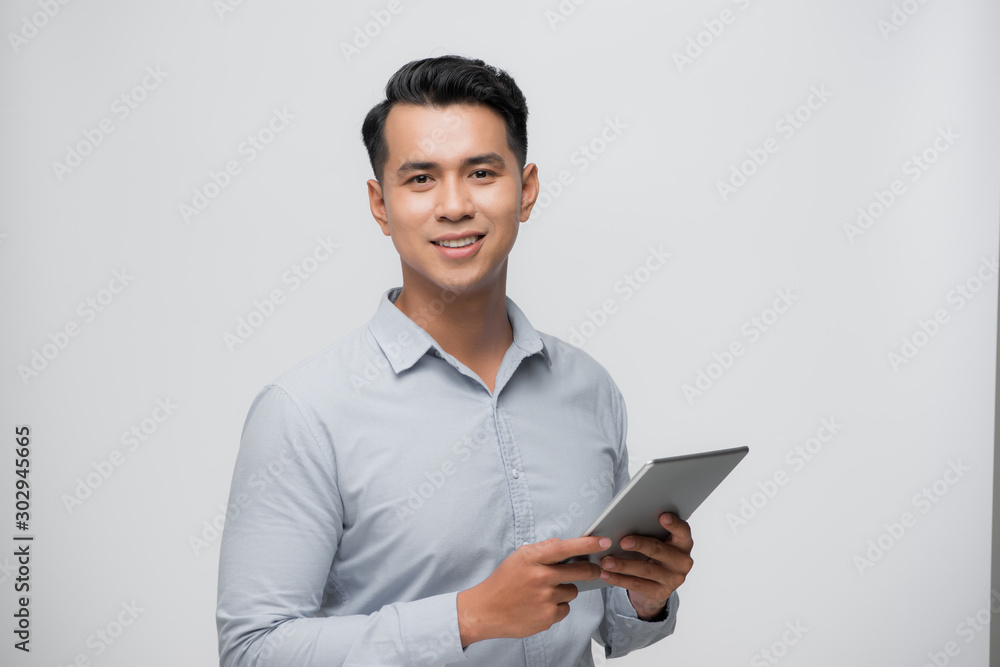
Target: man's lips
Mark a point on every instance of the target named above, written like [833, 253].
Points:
[462, 251]
[458, 240]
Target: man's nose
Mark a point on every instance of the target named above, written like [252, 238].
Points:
[454, 200]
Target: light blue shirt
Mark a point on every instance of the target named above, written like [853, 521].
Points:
[380, 477]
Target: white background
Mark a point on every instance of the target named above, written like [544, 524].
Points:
[134, 538]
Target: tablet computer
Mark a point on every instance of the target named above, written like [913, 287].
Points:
[677, 484]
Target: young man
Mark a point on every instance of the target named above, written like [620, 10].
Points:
[393, 494]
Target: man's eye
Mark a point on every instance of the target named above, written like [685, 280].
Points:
[420, 180]
[482, 173]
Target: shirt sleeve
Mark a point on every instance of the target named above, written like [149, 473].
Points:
[283, 524]
[621, 630]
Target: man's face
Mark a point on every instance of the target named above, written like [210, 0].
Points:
[451, 178]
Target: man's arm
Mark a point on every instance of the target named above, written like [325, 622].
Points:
[282, 529]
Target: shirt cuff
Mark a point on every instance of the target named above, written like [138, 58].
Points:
[430, 629]
[632, 631]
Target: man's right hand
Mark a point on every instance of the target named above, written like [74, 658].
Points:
[529, 590]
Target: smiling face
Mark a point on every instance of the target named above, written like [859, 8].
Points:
[451, 197]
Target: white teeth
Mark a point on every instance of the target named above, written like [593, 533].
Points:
[458, 243]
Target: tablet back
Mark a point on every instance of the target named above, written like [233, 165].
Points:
[677, 484]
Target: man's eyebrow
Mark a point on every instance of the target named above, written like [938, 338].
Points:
[493, 159]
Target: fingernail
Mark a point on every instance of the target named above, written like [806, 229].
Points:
[609, 563]
[668, 519]
[605, 575]
[604, 542]
[628, 543]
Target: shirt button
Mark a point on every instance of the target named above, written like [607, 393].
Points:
[515, 473]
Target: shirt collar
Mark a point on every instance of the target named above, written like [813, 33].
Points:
[403, 341]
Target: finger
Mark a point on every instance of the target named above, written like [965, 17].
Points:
[680, 531]
[562, 611]
[668, 555]
[641, 569]
[651, 588]
[555, 550]
[637, 575]
[580, 571]
[565, 593]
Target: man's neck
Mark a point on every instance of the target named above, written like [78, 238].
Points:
[471, 326]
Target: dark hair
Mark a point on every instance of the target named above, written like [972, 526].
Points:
[443, 81]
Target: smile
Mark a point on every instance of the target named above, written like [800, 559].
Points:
[458, 243]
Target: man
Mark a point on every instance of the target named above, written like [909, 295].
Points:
[393, 494]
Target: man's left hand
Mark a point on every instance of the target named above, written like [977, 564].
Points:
[650, 582]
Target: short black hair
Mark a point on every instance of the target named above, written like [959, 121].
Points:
[443, 81]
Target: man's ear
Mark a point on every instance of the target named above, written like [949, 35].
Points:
[529, 190]
[377, 204]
